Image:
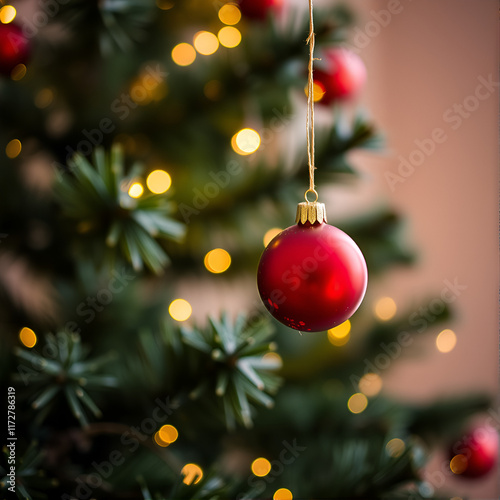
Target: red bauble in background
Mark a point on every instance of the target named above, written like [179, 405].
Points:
[15, 48]
[312, 277]
[475, 454]
[341, 76]
[258, 9]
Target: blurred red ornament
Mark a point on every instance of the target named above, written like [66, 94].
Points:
[341, 76]
[15, 48]
[259, 9]
[475, 454]
[312, 277]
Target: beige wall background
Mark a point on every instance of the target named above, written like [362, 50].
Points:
[428, 60]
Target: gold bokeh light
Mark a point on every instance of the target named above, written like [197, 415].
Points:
[183, 54]
[229, 37]
[135, 190]
[282, 494]
[340, 335]
[230, 14]
[13, 148]
[27, 337]
[446, 341]
[385, 308]
[205, 43]
[192, 473]
[357, 403]
[261, 467]
[370, 384]
[395, 447]
[246, 141]
[270, 234]
[7, 14]
[180, 309]
[217, 260]
[159, 181]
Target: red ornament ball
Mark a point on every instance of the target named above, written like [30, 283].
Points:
[312, 277]
[475, 454]
[341, 76]
[259, 9]
[15, 48]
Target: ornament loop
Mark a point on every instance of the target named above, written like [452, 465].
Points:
[315, 194]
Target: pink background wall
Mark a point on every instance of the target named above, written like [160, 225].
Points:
[429, 57]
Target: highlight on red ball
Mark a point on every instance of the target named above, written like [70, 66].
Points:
[312, 277]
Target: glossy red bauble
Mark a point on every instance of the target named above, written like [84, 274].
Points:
[258, 9]
[475, 454]
[312, 277]
[341, 75]
[15, 48]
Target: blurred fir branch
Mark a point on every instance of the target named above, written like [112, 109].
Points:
[63, 368]
[97, 198]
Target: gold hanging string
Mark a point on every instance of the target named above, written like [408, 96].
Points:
[310, 105]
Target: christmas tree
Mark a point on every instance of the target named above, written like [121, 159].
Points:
[152, 150]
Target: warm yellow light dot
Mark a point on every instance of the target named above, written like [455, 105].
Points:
[205, 43]
[168, 433]
[44, 98]
[217, 260]
[246, 141]
[282, 494]
[274, 231]
[135, 190]
[13, 148]
[370, 384]
[229, 37]
[458, 464]
[159, 181]
[180, 309]
[340, 335]
[164, 4]
[183, 54]
[385, 308]
[18, 73]
[395, 447]
[357, 403]
[446, 341]
[192, 474]
[229, 14]
[261, 467]
[7, 14]
[318, 91]
[273, 358]
[159, 441]
[27, 337]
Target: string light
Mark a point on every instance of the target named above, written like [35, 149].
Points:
[13, 148]
[340, 335]
[357, 403]
[230, 14]
[183, 54]
[217, 260]
[318, 91]
[229, 37]
[270, 234]
[395, 447]
[168, 434]
[246, 141]
[192, 474]
[261, 467]
[7, 14]
[458, 464]
[19, 72]
[136, 190]
[159, 181]
[446, 341]
[44, 98]
[205, 43]
[180, 309]
[27, 337]
[282, 494]
[385, 308]
[370, 384]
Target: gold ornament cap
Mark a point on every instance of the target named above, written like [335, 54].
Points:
[311, 211]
